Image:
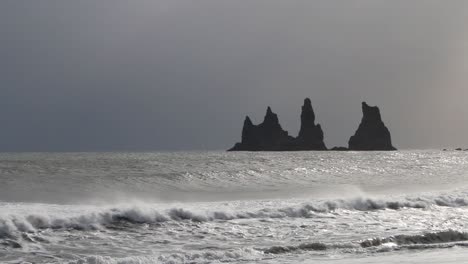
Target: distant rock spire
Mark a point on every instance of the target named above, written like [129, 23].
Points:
[310, 135]
[372, 133]
[307, 118]
[269, 112]
[270, 136]
[271, 121]
[267, 136]
[247, 130]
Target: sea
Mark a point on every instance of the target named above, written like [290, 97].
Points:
[222, 207]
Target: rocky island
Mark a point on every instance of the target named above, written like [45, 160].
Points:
[372, 133]
[270, 136]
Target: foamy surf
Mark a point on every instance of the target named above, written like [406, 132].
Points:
[435, 240]
[232, 208]
[96, 218]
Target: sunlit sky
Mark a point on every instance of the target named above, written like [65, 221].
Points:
[182, 75]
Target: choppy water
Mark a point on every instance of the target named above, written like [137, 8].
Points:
[217, 207]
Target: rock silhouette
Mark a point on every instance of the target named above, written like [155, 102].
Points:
[267, 136]
[270, 136]
[372, 133]
[311, 135]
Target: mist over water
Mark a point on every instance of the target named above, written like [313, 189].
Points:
[205, 207]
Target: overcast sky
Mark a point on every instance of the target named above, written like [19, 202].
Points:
[182, 75]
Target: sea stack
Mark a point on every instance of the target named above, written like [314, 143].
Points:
[267, 136]
[372, 133]
[311, 135]
[270, 136]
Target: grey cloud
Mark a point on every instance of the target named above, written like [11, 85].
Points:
[133, 75]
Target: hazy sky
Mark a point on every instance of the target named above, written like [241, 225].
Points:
[182, 75]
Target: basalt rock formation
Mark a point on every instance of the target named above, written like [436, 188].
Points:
[311, 135]
[372, 133]
[270, 136]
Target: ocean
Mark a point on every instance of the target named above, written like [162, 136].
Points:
[220, 207]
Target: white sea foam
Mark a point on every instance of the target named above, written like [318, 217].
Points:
[102, 217]
[442, 239]
[231, 207]
[422, 239]
[240, 255]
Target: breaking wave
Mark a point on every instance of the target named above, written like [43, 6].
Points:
[442, 239]
[11, 225]
[424, 239]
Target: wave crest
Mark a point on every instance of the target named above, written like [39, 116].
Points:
[442, 239]
[424, 239]
[12, 224]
